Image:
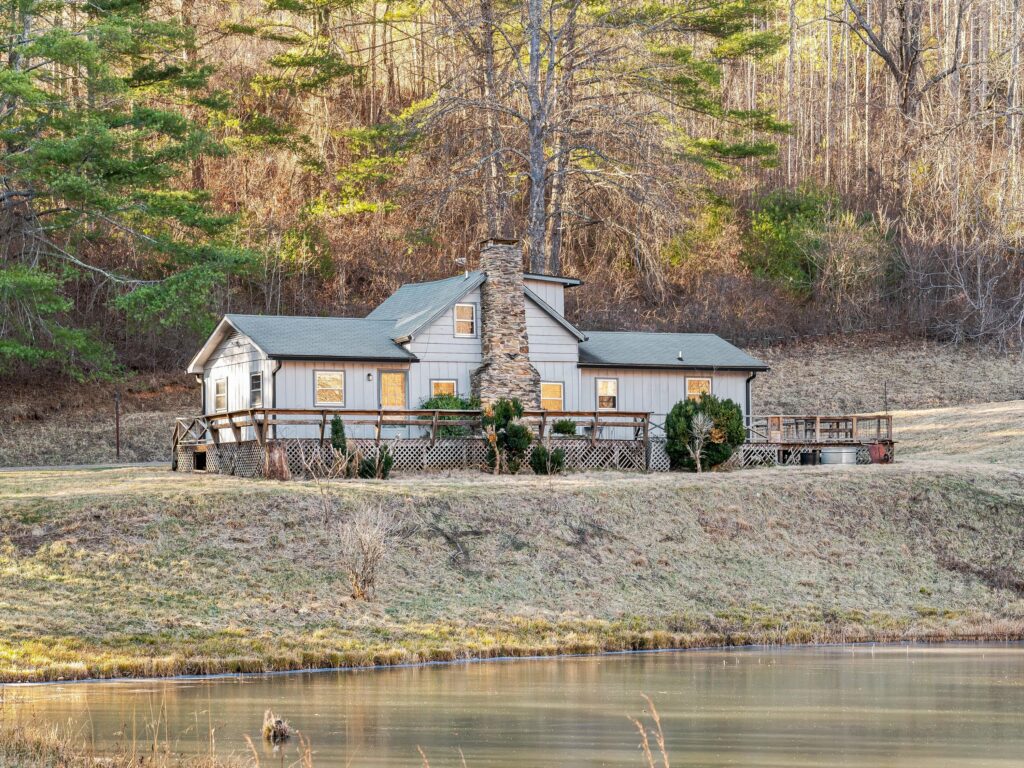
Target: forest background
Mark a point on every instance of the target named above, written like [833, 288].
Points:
[756, 168]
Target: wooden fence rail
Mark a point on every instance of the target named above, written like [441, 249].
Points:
[820, 430]
[265, 421]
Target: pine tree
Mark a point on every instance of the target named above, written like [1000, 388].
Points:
[94, 135]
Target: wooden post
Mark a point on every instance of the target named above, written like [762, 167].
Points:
[853, 428]
[380, 419]
[543, 424]
[647, 443]
[117, 422]
[323, 427]
[817, 429]
[593, 432]
[433, 430]
[258, 426]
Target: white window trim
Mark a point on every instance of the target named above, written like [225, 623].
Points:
[455, 321]
[597, 393]
[215, 395]
[561, 395]
[344, 388]
[453, 382]
[251, 376]
[709, 379]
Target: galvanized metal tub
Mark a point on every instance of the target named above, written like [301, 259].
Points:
[839, 455]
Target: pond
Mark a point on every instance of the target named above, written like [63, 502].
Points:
[950, 705]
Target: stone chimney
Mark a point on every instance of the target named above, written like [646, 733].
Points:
[505, 370]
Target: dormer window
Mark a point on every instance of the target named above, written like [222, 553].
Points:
[465, 320]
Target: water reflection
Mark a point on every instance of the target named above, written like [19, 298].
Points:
[954, 706]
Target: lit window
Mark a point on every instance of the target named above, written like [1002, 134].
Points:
[441, 387]
[607, 394]
[697, 387]
[220, 395]
[255, 390]
[330, 388]
[392, 389]
[552, 396]
[465, 319]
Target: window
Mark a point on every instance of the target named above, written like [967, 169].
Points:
[551, 396]
[392, 389]
[440, 387]
[220, 395]
[465, 319]
[255, 390]
[697, 387]
[330, 388]
[607, 394]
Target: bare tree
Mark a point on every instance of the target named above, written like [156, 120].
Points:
[365, 541]
[701, 427]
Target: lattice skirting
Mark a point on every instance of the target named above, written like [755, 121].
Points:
[309, 457]
[771, 455]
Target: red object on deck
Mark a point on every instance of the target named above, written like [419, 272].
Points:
[879, 453]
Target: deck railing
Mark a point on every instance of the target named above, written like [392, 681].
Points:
[266, 422]
[821, 430]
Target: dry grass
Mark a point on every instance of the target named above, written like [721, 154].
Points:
[849, 376]
[47, 423]
[145, 572]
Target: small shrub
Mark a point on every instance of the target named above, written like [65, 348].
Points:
[545, 462]
[450, 403]
[365, 541]
[564, 427]
[338, 440]
[727, 433]
[508, 439]
[378, 467]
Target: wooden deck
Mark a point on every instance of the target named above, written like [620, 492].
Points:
[604, 439]
[211, 427]
[861, 429]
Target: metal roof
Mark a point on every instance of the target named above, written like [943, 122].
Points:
[321, 338]
[631, 349]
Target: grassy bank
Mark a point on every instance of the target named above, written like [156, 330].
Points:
[145, 572]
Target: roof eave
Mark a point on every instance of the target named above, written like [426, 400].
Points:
[409, 358]
[197, 364]
[568, 282]
[671, 367]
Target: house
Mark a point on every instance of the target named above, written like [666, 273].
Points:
[495, 332]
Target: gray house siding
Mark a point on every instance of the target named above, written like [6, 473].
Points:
[234, 359]
[655, 390]
[549, 341]
[552, 293]
[296, 389]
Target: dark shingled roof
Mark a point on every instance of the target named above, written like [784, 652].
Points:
[630, 349]
[322, 338]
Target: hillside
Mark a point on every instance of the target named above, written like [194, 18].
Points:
[141, 571]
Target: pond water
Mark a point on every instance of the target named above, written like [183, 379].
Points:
[951, 705]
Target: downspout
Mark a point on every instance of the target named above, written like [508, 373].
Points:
[273, 392]
[750, 378]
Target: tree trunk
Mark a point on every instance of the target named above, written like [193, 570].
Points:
[495, 197]
[563, 149]
[536, 134]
